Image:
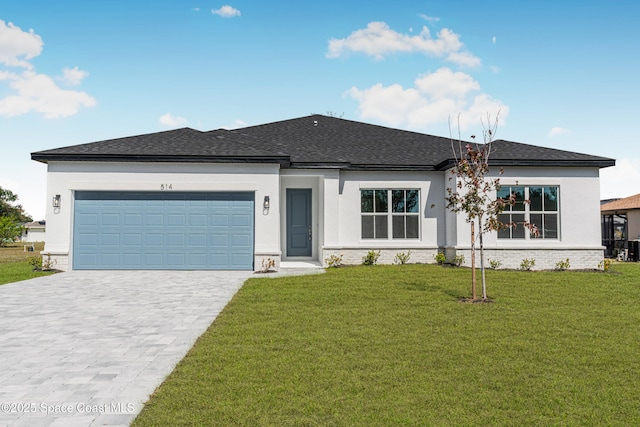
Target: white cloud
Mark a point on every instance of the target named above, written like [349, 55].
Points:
[621, 180]
[226, 11]
[494, 39]
[434, 98]
[557, 131]
[39, 93]
[30, 91]
[237, 123]
[465, 59]
[73, 76]
[378, 40]
[17, 46]
[170, 120]
[428, 18]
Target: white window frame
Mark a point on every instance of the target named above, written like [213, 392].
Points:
[389, 214]
[527, 212]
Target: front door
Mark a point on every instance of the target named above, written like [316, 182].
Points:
[299, 222]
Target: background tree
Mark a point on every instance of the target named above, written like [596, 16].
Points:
[475, 193]
[7, 209]
[10, 230]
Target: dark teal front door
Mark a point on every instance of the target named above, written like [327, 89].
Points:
[299, 236]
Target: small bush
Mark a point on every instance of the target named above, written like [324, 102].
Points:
[371, 258]
[527, 264]
[605, 265]
[36, 263]
[458, 260]
[495, 264]
[563, 265]
[268, 265]
[334, 261]
[402, 258]
[440, 258]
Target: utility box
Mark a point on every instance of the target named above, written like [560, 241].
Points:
[632, 254]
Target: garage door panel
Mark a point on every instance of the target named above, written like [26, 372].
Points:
[136, 230]
[107, 219]
[110, 259]
[133, 219]
[176, 220]
[108, 239]
[155, 239]
[87, 219]
[132, 239]
[153, 260]
[132, 259]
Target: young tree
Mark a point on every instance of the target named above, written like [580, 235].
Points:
[474, 193]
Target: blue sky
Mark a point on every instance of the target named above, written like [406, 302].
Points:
[562, 74]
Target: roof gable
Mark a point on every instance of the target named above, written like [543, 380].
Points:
[307, 142]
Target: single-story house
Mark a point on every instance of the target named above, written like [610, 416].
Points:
[303, 190]
[33, 231]
[621, 227]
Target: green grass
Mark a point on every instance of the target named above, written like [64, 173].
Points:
[14, 263]
[392, 345]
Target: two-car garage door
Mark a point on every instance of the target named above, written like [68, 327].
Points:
[163, 231]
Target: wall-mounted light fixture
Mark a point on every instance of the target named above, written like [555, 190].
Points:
[56, 201]
[266, 202]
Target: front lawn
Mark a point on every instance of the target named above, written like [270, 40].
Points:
[392, 345]
[14, 263]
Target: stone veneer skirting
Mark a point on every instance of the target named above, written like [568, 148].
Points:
[545, 259]
[354, 256]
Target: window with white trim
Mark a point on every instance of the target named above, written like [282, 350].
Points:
[396, 210]
[538, 205]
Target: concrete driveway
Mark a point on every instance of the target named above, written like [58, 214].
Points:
[89, 347]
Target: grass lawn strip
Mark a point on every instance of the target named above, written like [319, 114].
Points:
[391, 345]
[14, 263]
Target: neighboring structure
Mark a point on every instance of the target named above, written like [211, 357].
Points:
[33, 232]
[303, 190]
[621, 227]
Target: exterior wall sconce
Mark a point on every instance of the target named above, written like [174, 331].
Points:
[266, 202]
[56, 201]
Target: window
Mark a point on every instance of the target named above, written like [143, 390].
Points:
[395, 210]
[536, 204]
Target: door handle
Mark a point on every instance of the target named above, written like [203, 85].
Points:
[309, 232]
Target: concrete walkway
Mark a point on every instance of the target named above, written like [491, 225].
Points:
[89, 347]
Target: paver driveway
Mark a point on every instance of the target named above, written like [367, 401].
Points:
[89, 347]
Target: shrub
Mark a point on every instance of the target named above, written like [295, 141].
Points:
[495, 263]
[605, 265]
[458, 260]
[563, 265]
[334, 261]
[36, 263]
[402, 258]
[268, 265]
[371, 258]
[527, 264]
[440, 258]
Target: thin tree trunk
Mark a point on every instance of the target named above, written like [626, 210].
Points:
[484, 283]
[473, 261]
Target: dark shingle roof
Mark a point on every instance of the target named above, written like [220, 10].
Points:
[312, 141]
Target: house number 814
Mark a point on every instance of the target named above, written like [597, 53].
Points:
[166, 187]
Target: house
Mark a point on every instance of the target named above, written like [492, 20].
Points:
[33, 232]
[303, 190]
[621, 227]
